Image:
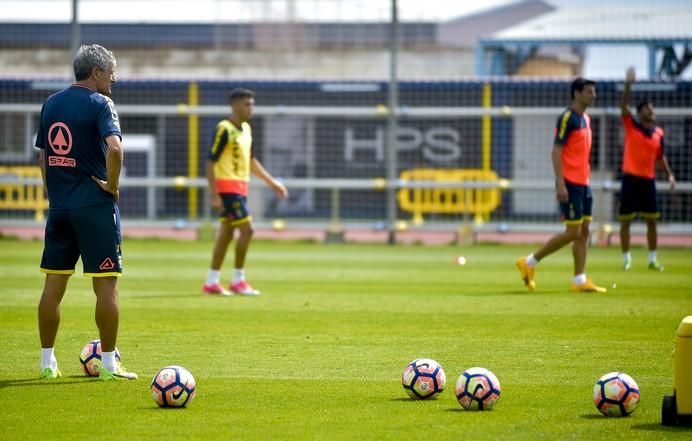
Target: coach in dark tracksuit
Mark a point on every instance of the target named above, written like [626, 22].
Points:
[80, 158]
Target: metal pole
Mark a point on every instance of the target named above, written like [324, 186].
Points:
[604, 212]
[602, 141]
[652, 62]
[75, 38]
[392, 123]
[161, 159]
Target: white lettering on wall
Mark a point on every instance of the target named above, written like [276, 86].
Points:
[437, 144]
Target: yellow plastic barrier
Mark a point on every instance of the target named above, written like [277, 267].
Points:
[477, 201]
[19, 196]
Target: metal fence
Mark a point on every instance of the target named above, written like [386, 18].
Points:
[332, 159]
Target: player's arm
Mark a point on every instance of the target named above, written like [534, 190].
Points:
[259, 171]
[217, 147]
[562, 130]
[625, 99]
[560, 186]
[663, 163]
[41, 153]
[114, 163]
[216, 202]
[42, 166]
[109, 127]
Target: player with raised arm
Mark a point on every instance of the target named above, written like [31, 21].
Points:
[643, 150]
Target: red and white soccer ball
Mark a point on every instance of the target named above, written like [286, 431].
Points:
[423, 378]
[616, 394]
[90, 358]
[173, 386]
[477, 389]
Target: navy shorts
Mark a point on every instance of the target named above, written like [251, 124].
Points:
[579, 205]
[235, 210]
[92, 233]
[638, 196]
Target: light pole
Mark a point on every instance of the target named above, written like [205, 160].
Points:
[392, 123]
[75, 39]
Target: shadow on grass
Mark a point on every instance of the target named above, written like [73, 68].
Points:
[38, 382]
[411, 400]
[520, 291]
[593, 416]
[500, 292]
[649, 427]
[167, 296]
[658, 427]
[162, 409]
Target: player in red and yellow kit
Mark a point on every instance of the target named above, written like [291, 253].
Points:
[230, 163]
[643, 150]
[570, 158]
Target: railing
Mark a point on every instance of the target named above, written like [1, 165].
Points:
[478, 197]
[21, 188]
[477, 201]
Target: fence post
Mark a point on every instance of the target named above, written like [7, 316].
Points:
[192, 149]
[393, 124]
[335, 232]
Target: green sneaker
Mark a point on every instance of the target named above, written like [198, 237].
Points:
[656, 266]
[50, 374]
[120, 373]
[627, 264]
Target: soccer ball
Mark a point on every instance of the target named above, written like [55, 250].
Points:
[616, 394]
[90, 358]
[173, 386]
[423, 378]
[477, 389]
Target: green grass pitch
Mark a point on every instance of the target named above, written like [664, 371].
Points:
[319, 355]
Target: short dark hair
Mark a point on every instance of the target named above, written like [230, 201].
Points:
[240, 93]
[643, 103]
[578, 85]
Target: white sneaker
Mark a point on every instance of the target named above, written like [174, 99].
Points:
[244, 289]
[627, 264]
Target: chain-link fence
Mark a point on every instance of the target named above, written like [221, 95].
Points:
[466, 149]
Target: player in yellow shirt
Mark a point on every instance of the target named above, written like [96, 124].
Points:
[229, 165]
